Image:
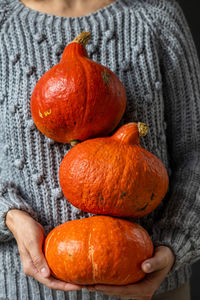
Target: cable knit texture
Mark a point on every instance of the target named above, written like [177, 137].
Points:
[148, 44]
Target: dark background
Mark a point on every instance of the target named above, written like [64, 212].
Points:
[191, 11]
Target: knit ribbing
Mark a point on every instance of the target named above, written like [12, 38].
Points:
[148, 44]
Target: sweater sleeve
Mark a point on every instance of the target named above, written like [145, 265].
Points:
[179, 226]
[10, 198]
[10, 193]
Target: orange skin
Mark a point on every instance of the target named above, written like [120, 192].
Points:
[114, 175]
[77, 98]
[99, 249]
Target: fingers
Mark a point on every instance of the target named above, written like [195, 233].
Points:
[39, 260]
[29, 236]
[158, 267]
[33, 246]
[56, 284]
[28, 267]
[162, 258]
[32, 267]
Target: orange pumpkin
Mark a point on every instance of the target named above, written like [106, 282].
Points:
[114, 175]
[77, 98]
[99, 249]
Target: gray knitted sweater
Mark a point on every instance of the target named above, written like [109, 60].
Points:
[148, 44]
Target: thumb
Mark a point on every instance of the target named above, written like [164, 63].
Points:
[158, 262]
[39, 262]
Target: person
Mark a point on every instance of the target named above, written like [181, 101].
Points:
[149, 46]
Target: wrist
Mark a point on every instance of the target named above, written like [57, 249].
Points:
[11, 216]
[169, 256]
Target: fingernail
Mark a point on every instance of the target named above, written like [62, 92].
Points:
[147, 267]
[44, 271]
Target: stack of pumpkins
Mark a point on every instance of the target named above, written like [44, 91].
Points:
[81, 102]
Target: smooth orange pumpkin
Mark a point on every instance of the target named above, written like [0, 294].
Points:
[99, 249]
[114, 175]
[77, 98]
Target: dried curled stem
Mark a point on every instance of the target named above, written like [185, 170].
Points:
[82, 38]
[142, 129]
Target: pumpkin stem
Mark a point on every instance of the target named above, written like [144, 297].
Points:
[74, 142]
[142, 129]
[130, 133]
[82, 38]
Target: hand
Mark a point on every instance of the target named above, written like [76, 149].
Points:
[156, 268]
[29, 235]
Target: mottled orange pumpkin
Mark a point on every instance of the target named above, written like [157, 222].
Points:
[77, 98]
[99, 249]
[114, 175]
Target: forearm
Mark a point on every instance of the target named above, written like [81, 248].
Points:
[179, 226]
